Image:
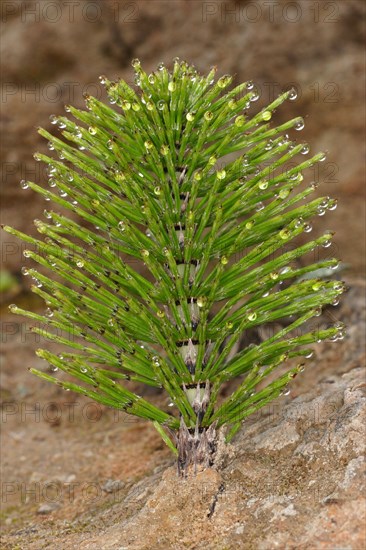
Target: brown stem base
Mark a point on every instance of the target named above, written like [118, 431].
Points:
[197, 449]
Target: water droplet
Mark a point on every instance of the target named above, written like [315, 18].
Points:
[309, 355]
[263, 185]
[322, 157]
[27, 253]
[160, 104]
[224, 81]
[299, 223]
[102, 79]
[305, 150]
[239, 121]
[284, 234]
[274, 275]
[50, 146]
[83, 370]
[47, 214]
[224, 260]
[148, 144]
[160, 314]
[284, 193]
[259, 206]
[286, 392]
[201, 301]
[269, 145]
[49, 312]
[332, 204]
[53, 368]
[136, 63]
[63, 193]
[92, 130]
[292, 94]
[164, 150]
[145, 253]
[190, 116]
[151, 78]
[136, 107]
[317, 286]
[254, 96]
[126, 105]
[249, 225]
[221, 174]
[157, 191]
[208, 115]
[339, 286]
[308, 227]
[24, 271]
[121, 226]
[172, 86]
[327, 243]
[335, 302]
[229, 325]
[267, 115]
[299, 125]
[161, 66]
[80, 263]
[320, 210]
[24, 184]
[250, 85]
[13, 308]
[251, 316]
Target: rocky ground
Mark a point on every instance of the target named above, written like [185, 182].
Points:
[75, 475]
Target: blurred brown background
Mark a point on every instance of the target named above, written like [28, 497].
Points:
[54, 51]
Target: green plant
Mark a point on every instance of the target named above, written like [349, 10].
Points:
[210, 236]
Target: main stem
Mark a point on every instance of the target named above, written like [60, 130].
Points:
[196, 446]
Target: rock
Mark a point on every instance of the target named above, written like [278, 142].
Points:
[112, 485]
[48, 508]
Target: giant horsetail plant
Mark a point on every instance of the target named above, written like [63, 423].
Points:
[189, 213]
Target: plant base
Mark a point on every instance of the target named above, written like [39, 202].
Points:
[199, 449]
